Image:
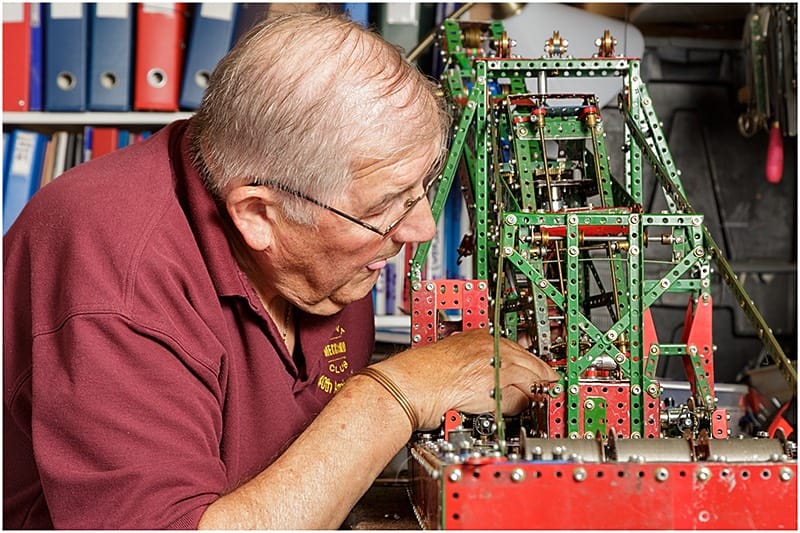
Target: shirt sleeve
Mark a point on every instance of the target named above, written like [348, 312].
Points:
[126, 426]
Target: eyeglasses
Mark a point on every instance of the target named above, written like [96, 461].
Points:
[409, 205]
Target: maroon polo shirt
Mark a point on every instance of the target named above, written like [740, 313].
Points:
[142, 376]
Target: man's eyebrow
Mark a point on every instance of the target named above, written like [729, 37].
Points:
[386, 199]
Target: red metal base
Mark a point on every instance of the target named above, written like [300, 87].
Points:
[559, 495]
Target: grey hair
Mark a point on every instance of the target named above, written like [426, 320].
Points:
[306, 99]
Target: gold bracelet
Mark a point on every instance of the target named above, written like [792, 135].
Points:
[392, 389]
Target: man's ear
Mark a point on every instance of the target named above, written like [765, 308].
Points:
[252, 210]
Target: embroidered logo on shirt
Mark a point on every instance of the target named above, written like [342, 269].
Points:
[336, 358]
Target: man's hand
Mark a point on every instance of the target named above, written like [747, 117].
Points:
[457, 373]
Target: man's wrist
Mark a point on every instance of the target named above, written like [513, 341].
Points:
[391, 387]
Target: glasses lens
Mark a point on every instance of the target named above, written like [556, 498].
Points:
[411, 204]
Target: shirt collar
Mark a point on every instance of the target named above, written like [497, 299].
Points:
[207, 219]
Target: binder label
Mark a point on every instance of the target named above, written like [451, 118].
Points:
[36, 19]
[401, 13]
[159, 8]
[112, 10]
[24, 150]
[13, 12]
[66, 10]
[217, 11]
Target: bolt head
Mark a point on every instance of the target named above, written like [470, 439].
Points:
[455, 475]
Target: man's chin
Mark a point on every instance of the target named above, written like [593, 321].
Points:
[354, 291]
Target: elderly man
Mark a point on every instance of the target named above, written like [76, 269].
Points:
[170, 308]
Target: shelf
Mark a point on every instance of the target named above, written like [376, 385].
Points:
[394, 329]
[93, 118]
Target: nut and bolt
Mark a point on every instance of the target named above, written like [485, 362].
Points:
[703, 474]
[662, 474]
[511, 220]
[588, 404]
[574, 389]
[785, 474]
[579, 474]
[429, 287]
[517, 475]
[417, 338]
[455, 475]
